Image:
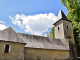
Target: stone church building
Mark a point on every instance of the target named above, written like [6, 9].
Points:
[21, 46]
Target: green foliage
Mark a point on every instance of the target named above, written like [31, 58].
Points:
[73, 8]
[52, 32]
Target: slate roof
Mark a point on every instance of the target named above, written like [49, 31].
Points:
[10, 35]
[42, 42]
[61, 16]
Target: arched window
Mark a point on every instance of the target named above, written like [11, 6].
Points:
[67, 27]
[7, 48]
[58, 28]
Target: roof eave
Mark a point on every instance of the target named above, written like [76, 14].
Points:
[48, 48]
[12, 41]
[60, 20]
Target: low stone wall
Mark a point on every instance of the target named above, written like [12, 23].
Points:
[46, 54]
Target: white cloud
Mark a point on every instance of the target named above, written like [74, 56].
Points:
[2, 26]
[36, 24]
[1, 21]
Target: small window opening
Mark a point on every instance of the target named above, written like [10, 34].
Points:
[67, 27]
[69, 37]
[58, 28]
[38, 59]
[7, 48]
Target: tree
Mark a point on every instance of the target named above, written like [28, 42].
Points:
[52, 32]
[73, 8]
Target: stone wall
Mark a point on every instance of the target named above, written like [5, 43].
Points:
[68, 32]
[59, 33]
[16, 51]
[45, 54]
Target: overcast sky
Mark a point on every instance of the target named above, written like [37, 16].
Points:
[30, 16]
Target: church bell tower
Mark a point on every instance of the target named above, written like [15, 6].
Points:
[63, 30]
[63, 27]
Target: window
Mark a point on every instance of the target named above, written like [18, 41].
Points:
[69, 37]
[67, 27]
[38, 59]
[7, 48]
[58, 28]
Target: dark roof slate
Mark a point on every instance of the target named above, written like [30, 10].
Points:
[34, 41]
[61, 16]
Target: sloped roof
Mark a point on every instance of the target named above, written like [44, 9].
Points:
[34, 41]
[61, 16]
[9, 34]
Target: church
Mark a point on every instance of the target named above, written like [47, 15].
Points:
[22, 46]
